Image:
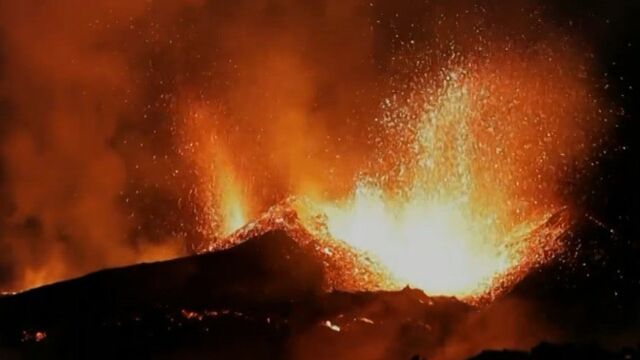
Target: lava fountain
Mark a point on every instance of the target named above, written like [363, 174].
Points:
[436, 231]
[452, 202]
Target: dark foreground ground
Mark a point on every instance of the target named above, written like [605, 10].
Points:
[262, 299]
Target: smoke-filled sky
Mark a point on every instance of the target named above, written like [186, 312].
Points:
[99, 146]
[116, 115]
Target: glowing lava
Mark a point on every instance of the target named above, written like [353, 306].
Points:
[440, 248]
[231, 203]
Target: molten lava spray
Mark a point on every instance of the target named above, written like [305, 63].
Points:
[441, 229]
[460, 197]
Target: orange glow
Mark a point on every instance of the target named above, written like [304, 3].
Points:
[231, 204]
[220, 194]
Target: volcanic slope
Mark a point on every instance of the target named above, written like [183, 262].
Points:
[272, 289]
[264, 297]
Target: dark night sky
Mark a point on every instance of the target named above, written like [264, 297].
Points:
[596, 294]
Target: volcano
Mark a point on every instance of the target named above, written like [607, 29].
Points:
[273, 291]
[317, 179]
[263, 298]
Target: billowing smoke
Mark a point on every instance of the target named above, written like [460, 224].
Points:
[125, 124]
[100, 163]
[66, 92]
